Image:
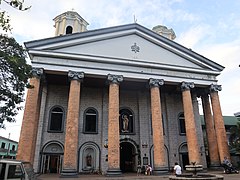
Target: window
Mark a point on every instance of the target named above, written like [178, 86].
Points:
[56, 119]
[13, 147]
[90, 120]
[126, 121]
[69, 30]
[3, 145]
[15, 172]
[182, 128]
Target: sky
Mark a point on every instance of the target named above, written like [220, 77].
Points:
[209, 27]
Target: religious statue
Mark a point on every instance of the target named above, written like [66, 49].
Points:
[89, 160]
[125, 122]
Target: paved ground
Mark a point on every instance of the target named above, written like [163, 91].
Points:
[131, 176]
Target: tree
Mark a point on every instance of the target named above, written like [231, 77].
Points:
[14, 70]
[234, 139]
[4, 18]
[14, 75]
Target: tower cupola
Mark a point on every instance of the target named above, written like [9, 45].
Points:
[68, 23]
[164, 31]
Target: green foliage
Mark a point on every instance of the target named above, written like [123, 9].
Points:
[14, 75]
[234, 139]
[4, 18]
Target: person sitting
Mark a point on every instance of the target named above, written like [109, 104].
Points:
[148, 170]
[227, 162]
[228, 167]
[177, 169]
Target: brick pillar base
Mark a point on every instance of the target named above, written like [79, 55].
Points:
[71, 137]
[113, 127]
[28, 136]
[157, 127]
[191, 133]
[219, 123]
[211, 134]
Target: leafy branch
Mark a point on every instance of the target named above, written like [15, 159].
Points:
[4, 18]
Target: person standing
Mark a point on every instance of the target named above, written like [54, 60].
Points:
[139, 170]
[177, 169]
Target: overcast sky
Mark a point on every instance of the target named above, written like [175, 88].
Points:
[209, 27]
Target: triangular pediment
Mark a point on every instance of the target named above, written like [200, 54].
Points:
[129, 45]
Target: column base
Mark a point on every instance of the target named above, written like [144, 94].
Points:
[215, 167]
[30, 171]
[160, 170]
[69, 173]
[114, 172]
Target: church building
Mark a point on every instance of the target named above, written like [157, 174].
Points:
[112, 99]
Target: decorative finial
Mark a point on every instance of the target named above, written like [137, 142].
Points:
[134, 18]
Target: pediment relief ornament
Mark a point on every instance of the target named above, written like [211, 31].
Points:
[135, 48]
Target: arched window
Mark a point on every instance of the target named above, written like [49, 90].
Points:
[69, 30]
[126, 123]
[56, 119]
[90, 121]
[182, 127]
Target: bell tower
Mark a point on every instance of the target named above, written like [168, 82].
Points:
[68, 23]
[164, 31]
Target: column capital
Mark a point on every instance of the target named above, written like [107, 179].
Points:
[73, 75]
[187, 85]
[155, 82]
[116, 79]
[215, 87]
[37, 72]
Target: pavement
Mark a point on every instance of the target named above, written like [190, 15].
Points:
[132, 176]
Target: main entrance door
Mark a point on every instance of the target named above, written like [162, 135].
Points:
[52, 155]
[127, 157]
[52, 164]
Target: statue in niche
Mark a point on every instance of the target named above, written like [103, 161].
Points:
[125, 122]
[89, 160]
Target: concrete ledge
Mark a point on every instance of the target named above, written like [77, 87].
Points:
[114, 173]
[200, 176]
[69, 173]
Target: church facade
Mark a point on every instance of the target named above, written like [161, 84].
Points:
[110, 99]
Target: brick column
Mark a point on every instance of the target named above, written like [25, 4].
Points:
[219, 123]
[28, 136]
[71, 138]
[157, 127]
[211, 134]
[113, 126]
[191, 134]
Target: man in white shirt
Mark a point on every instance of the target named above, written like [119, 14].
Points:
[177, 169]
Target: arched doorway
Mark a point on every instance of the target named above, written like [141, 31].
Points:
[127, 157]
[183, 154]
[52, 155]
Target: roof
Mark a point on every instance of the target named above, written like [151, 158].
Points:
[6, 139]
[228, 120]
[12, 161]
[138, 28]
